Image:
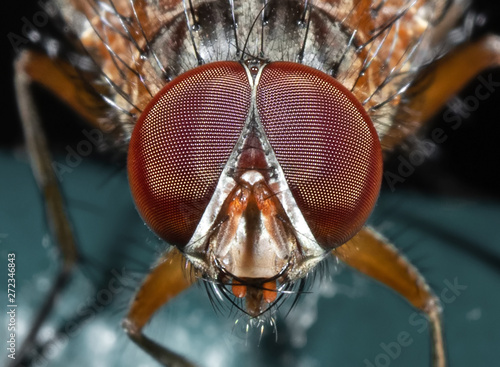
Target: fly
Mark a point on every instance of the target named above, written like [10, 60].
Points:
[255, 134]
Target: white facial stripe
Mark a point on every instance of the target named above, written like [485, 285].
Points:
[308, 245]
[252, 177]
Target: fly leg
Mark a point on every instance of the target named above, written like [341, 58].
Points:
[447, 77]
[171, 276]
[30, 68]
[369, 253]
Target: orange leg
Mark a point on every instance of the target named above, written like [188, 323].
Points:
[27, 73]
[61, 79]
[36, 68]
[171, 276]
[446, 78]
[369, 253]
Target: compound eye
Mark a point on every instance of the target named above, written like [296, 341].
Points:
[326, 145]
[181, 143]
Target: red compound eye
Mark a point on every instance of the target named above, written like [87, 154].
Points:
[327, 147]
[181, 143]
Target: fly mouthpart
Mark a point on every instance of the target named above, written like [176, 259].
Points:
[260, 294]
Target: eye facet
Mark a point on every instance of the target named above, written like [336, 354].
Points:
[326, 145]
[181, 143]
